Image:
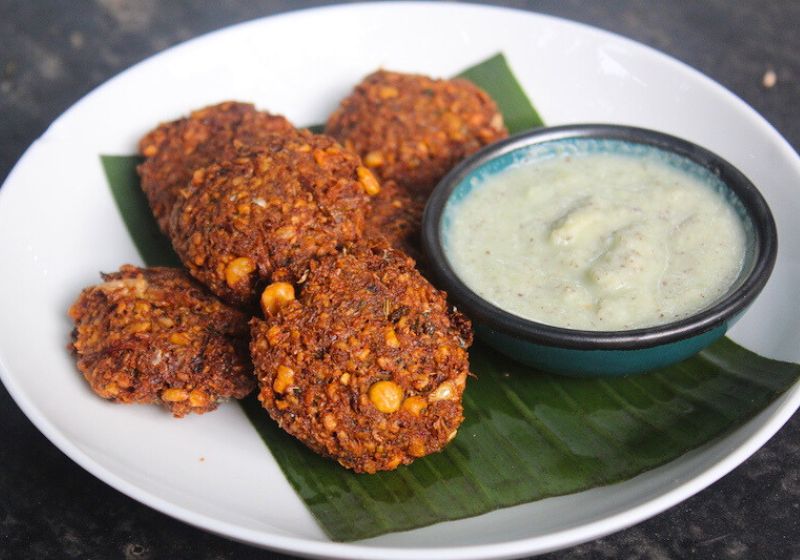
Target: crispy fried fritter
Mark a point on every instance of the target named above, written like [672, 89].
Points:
[413, 129]
[264, 214]
[368, 365]
[174, 150]
[156, 336]
[396, 216]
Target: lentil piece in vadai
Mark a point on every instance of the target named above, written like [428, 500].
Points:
[368, 364]
[413, 129]
[174, 150]
[156, 336]
[262, 215]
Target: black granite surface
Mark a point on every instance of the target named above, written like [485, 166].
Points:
[53, 52]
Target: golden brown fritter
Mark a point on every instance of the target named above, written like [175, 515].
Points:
[264, 214]
[396, 216]
[368, 365]
[413, 129]
[156, 336]
[175, 149]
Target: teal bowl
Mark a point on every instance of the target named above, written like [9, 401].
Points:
[602, 353]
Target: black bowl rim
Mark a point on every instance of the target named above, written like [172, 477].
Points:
[497, 319]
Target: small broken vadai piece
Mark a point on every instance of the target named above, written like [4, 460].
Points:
[368, 364]
[413, 129]
[156, 336]
[174, 150]
[262, 215]
[396, 215]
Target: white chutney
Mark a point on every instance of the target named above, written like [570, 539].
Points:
[596, 241]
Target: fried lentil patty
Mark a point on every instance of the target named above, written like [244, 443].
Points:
[413, 129]
[396, 216]
[368, 364]
[156, 336]
[265, 213]
[175, 149]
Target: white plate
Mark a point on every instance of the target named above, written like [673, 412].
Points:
[59, 226]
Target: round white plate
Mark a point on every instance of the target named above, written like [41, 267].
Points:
[59, 227]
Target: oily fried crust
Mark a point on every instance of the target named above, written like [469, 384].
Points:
[265, 213]
[362, 317]
[396, 216]
[413, 129]
[175, 149]
[156, 336]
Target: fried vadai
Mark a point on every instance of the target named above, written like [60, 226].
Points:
[156, 336]
[265, 213]
[368, 364]
[413, 129]
[174, 150]
[396, 216]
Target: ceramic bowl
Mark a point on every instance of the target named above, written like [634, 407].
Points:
[581, 352]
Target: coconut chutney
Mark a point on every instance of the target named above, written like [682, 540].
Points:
[596, 241]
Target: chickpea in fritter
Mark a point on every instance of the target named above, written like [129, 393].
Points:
[367, 364]
[156, 336]
[413, 129]
[174, 150]
[262, 215]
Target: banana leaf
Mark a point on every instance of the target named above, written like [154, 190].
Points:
[528, 435]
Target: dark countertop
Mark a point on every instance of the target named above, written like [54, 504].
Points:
[55, 52]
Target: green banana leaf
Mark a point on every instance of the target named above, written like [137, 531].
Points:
[495, 77]
[527, 435]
